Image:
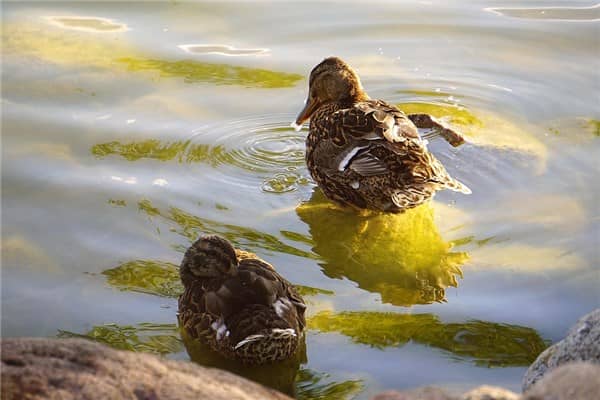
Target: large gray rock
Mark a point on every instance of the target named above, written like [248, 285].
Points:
[574, 381]
[581, 344]
[79, 369]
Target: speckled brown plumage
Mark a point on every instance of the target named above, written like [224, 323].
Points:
[367, 153]
[238, 304]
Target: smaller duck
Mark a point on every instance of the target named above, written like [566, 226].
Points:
[238, 304]
[367, 153]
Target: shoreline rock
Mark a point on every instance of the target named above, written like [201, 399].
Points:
[572, 381]
[582, 343]
[39, 368]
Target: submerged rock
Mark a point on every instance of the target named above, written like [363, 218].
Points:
[432, 393]
[79, 369]
[573, 381]
[426, 393]
[490, 393]
[582, 343]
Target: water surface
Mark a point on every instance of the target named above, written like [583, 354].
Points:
[129, 129]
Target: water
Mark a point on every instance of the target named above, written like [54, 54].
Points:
[129, 129]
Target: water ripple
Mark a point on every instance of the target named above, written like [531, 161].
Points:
[262, 151]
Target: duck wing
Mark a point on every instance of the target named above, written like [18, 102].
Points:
[271, 289]
[379, 139]
[369, 138]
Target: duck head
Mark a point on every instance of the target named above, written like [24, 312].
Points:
[332, 80]
[210, 256]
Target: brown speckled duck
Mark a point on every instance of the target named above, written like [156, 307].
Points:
[238, 304]
[367, 153]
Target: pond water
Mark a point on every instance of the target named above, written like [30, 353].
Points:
[128, 129]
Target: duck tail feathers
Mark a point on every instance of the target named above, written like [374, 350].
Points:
[456, 186]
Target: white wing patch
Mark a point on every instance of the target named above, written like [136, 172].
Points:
[284, 333]
[346, 160]
[281, 306]
[220, 328]
[248, 339]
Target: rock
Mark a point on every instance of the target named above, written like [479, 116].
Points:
[573, 381]
[490, 393]
[79, 369]
[426, 393]
[581, 344]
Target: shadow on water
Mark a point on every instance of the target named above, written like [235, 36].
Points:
[485, 343]
[402, 257]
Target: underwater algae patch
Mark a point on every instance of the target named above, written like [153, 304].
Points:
[191, 226]
[181, 151]
[146, 276]
[402, 257]
[154, 149]
[143, 337]
[220, 74]
[485, 343]
[87, 48]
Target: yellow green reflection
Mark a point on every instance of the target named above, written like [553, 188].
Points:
[162, 279]
[191, 226]
[146, 276]
[456, 114]
[47, 44]
[220, 74]
[312, 385]
[486, 129]
[594, 125]
[180, 151]
[144, 337]
[486, 343]
[400, 256]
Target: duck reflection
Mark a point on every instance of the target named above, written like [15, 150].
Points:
[279, 375]
[400, 256]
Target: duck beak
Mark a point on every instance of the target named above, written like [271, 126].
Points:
[307, 111]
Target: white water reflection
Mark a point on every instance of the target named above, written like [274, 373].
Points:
[87, 24]
[221, 49]
[552, 13]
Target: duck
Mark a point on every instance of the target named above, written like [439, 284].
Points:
[366, 153]
[237, 303]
